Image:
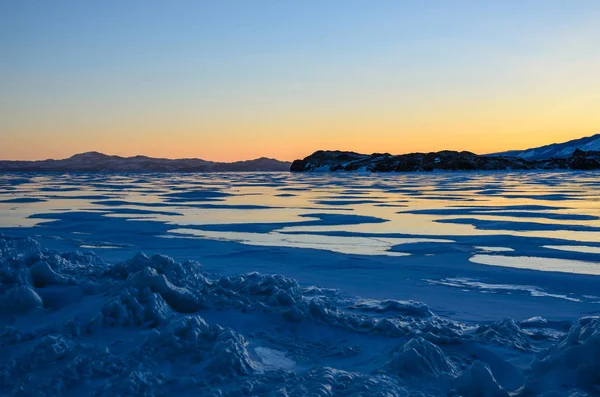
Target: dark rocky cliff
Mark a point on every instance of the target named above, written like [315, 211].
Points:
[446, 160]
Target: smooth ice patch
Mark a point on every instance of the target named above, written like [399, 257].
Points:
[537, 263]
[494, 249]
[575, 248]
[359, 245]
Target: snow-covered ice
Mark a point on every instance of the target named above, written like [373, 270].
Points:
[154, 326]
[256, 284]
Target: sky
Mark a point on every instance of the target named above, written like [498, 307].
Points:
[230, 80]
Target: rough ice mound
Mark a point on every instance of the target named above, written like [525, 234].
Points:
[478, 381]
[507, 333]
[191, 339]
[133, 307]
[420, 359]
[20, 300]
[410, 308]
[574, 362]
[15, 250]
[71, 324]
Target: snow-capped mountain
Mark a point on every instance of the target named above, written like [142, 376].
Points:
[555, 150]
[94, 161]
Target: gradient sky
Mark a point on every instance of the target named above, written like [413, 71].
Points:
[229, 80]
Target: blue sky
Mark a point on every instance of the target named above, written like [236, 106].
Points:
[280, 78]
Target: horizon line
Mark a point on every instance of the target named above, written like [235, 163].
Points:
[284, 161]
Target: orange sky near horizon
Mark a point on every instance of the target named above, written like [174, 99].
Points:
[161, 148]
[477, 127]
[294, 141]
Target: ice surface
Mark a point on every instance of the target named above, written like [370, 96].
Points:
[151, 325]
[279, 284]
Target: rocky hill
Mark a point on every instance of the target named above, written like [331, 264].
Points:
[445, 160]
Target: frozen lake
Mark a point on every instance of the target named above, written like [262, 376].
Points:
[353, 231]
[475, 248]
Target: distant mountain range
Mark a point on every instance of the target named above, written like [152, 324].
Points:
[556, 150]
[579, 154]
[99, 162]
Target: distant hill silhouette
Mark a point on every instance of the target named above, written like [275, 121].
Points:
[100, 162]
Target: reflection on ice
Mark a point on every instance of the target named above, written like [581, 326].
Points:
[537, 263]
[575, 248]
[545, 214]
[494, 249]
[344, 245]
